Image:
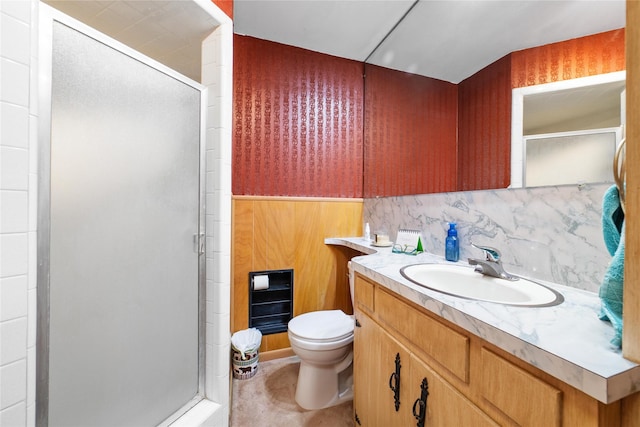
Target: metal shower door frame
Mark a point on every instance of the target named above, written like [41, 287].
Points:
[47, 16]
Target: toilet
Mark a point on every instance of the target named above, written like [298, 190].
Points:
[323, 340]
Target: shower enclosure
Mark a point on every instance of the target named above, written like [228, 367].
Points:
[120, 246]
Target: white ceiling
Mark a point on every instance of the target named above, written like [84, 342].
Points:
[171, 32]
[593, 107]
[346, 28]
[447, 40]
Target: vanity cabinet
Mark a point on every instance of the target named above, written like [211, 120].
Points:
[403, 352]
[396, 388]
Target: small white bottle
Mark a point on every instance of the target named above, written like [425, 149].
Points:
[367, 232]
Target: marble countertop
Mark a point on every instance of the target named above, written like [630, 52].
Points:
[567, 341]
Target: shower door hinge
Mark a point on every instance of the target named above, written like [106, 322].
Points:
[198, 243]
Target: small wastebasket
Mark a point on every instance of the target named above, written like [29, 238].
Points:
[245, 347]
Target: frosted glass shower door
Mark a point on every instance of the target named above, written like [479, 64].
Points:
[124, 209]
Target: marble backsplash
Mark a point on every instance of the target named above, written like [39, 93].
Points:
[547, 233]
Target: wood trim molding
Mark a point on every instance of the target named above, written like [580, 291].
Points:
[631, 309]
[298, 199]
[280, 353]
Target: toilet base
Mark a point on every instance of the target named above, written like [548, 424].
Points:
[324, 386]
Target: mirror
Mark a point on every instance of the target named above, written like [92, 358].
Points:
[579, 124]
[467, 57]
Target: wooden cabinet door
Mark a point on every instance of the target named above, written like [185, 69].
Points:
[445, 406]
[365, 361]
[393, 404]
[375, 378]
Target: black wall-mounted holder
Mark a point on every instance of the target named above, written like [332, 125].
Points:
[271, 309]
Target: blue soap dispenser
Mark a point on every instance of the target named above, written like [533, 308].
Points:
[451, 246]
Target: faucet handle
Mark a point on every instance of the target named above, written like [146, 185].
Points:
[491, 254]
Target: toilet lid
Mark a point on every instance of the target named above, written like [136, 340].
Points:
[322, 325]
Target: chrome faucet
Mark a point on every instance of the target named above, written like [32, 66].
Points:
[491, 265]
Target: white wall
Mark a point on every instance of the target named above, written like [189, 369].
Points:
[217, 64]
[18, 214]
[18, 167]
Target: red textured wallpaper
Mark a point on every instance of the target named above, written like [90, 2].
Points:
[586, 56]
[410, 134]
[226, 6]
[484, 128]
[297, 122]
[301, 119]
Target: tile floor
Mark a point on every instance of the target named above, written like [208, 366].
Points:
[267, 399]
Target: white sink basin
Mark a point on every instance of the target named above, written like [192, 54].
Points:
[464, 282]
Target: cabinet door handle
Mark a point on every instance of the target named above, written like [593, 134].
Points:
[420, 405]
[394, 383]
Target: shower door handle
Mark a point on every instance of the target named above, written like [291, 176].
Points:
[198, 243]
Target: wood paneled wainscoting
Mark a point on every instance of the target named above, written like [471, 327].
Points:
[274, 233]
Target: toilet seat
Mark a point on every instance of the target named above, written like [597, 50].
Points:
[299, 344]
[324, 326]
